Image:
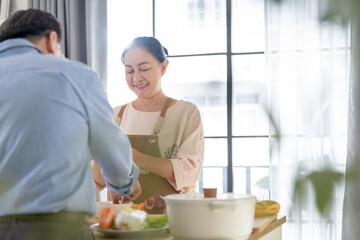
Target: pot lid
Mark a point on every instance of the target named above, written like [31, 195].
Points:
[196, 197]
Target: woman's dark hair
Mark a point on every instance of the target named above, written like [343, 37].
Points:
[30, 22]
[151, 44]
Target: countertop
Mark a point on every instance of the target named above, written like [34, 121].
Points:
[165, 235]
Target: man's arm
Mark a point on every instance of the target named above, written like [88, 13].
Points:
[110, 147]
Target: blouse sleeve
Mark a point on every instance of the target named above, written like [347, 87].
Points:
[189, 159]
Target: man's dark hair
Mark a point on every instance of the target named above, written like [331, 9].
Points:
[29, 23]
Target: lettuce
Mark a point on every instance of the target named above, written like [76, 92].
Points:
[156, 222]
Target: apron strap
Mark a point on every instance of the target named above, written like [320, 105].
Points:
[165, 107]
[160, 121]
[121, 113]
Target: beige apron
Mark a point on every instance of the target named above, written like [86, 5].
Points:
[151, 183]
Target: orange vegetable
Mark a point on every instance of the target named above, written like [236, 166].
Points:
[134, 206]
[141, 206]
[106, 218]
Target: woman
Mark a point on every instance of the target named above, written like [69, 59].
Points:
[166, 135]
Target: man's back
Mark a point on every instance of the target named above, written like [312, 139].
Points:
[54, 118]
[44, 153]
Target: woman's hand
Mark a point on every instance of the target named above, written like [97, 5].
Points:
[135, 193]
[115, 197]
[160, 166]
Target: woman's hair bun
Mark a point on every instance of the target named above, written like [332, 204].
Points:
[166, 51]
[151, 44]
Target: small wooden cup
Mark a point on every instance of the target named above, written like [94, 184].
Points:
[210, 192]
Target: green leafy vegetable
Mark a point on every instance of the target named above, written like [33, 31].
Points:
[156, 222]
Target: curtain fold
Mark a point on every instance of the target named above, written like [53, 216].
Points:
[351, 211]
[85, 30]
[308, 71]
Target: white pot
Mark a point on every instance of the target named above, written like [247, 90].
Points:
[228, 216]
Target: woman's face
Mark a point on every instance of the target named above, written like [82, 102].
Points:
[143, 72]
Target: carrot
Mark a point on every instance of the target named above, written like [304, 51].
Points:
[106, 218]
[141, 206]
[134, 206]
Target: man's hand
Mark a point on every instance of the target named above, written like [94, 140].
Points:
[135, 192]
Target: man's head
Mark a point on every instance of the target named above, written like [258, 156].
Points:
[39, 27]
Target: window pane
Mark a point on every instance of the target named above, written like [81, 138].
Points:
[123, 26]
[213, 178]
[261, 192]
[214, 172]
[248, 26]
[191, 26]
[251, 152]
[215, 152]
[249, 68]
[239, 180]
[201, 80]
[249, 95]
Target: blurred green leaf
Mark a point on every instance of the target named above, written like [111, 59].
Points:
[343, 10]
[300, 192]
[275, 133]
[324, 182]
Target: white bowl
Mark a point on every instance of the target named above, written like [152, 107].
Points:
[116, 207]
[227, 216]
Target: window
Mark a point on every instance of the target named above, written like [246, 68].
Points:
[218, 62]
[228, 85]
[4, 9]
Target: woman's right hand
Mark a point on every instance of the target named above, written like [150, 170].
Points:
[135, 193]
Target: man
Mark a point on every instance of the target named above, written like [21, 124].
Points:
[54, 118]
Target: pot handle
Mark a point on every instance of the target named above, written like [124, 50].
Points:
[214, 206]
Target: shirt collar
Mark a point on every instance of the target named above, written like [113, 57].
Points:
[17, 42]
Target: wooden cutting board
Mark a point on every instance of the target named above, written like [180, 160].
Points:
[265, 225]
[260, 223]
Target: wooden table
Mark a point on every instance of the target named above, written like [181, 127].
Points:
[271, 232]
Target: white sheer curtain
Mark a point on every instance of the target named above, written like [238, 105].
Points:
[308, 71]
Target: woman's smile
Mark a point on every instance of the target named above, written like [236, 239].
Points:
[140, 86]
